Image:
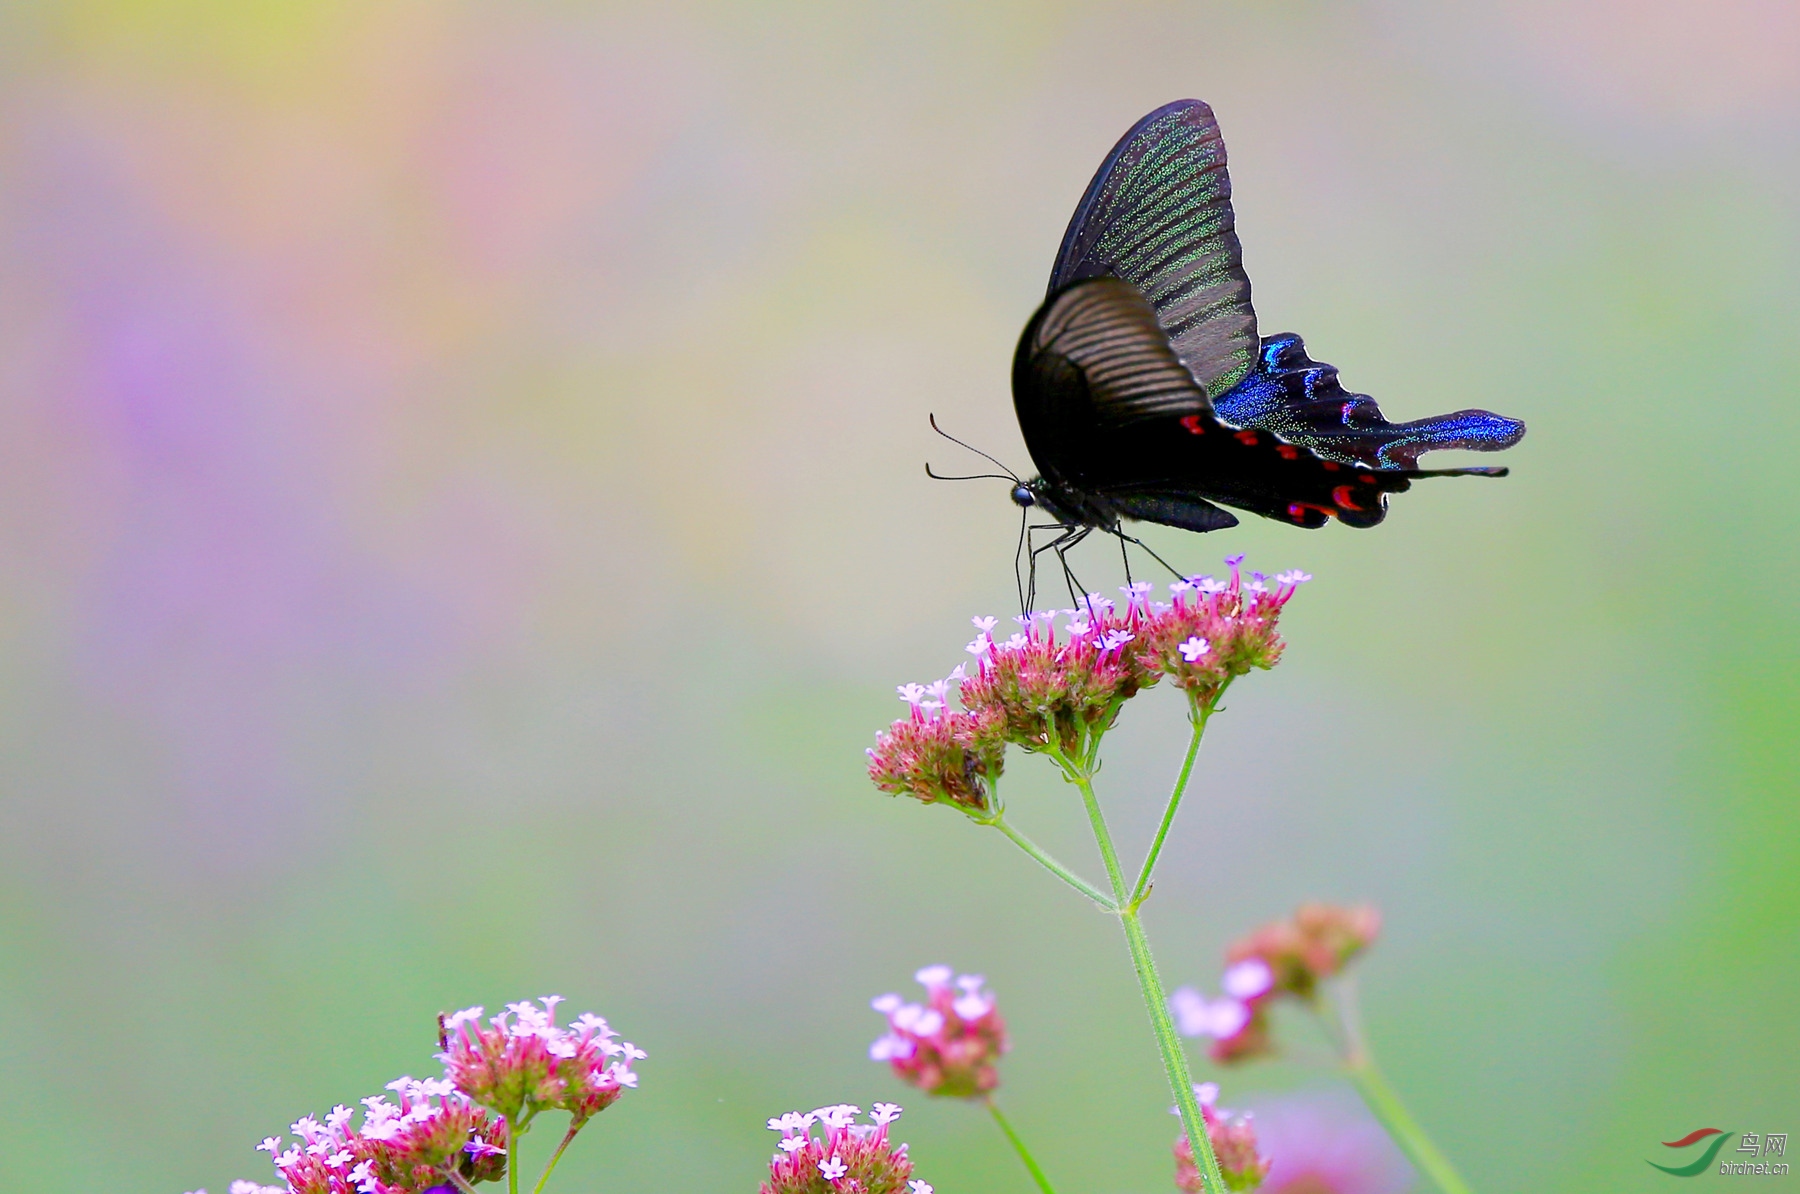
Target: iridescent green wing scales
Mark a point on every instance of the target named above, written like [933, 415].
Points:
[1158, 215]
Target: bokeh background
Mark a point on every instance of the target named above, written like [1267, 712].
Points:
[461, 520]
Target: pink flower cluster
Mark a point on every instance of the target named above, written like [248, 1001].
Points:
[847, 1158]
[400, 1148]
[1042, 687]
[947, 1045]
[1233, 1140]
[521, 1063]
[1288, 957]
[939, 755]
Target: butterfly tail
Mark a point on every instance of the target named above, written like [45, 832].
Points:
[1301, 400]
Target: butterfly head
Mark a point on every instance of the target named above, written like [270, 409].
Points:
[1061, 503]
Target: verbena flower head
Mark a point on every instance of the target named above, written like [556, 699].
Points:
[1233, 1138]
[1288, 957]
[940, 755]
[1214, 631]
[1312, 945]
[406, 1146]
[1054, 689]
[948, 1044]
[520, 1062]
[1046, 686]
[844, 1157]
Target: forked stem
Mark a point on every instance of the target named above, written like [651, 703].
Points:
[1174, 1057]
[998, 821]
[1198, 713]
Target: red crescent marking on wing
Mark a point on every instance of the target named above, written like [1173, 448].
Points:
[1692, 1136]
[1247, 437]
[1331, 466]
[1192, 423]
[1366, 479]
[1288, 451]
[1341, 495]
[1296, 509]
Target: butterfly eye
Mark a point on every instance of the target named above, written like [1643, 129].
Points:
[1022, 496]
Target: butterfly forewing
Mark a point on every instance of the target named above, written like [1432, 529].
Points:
[1158, 215]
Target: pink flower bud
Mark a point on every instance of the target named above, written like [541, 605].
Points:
[947, 1045]
[1286, 958]
[520, 1061]
[1312, 945]
[1234, 1145]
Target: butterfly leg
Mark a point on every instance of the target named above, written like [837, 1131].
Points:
[1061, 545]
[1124, 539]
[1019, 562]
[1069, 537]
[1028, 594]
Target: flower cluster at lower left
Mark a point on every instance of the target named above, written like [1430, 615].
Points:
[446, 1134]
[434, 1135]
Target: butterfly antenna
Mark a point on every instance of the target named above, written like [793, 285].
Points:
[1010, 475]
[969, 477]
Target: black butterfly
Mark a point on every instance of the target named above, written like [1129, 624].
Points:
[1143, 391]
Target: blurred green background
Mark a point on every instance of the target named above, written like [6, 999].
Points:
[461, 520]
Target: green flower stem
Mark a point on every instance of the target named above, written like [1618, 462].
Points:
[458, 1180]
[1037, 1174]
[513, 1132]
[1198, 715]
[555, 1157]
[1403, 1127]
[1174, 1058]
[998, 821]
[1369, 1081]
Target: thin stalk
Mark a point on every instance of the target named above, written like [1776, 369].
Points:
[1403, 1127]
[1200, 713]
[1381, 1098]
[555, 1157]
[1050, 864]
[1037, 1174]
[458, 1180]
[1174, 1058]
[1097, 820]
[513, 1132]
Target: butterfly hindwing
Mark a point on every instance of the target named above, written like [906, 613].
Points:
[1158, 215]
[1108, 410]
[1301, 400]
[1198, 456]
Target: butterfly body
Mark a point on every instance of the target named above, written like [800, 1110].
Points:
[1144, 391]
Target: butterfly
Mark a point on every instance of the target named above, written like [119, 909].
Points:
[1144, 391]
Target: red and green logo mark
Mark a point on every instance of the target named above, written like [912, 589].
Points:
[1705, 1159]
